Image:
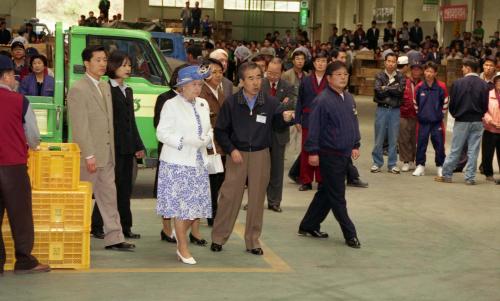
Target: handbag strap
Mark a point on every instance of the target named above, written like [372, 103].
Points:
[213, 145]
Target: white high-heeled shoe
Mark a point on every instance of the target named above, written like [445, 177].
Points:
[189, 260]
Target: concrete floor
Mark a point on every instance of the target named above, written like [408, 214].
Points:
[421, 240]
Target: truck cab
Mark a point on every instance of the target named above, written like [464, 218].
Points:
[171, 45]
[150, 76]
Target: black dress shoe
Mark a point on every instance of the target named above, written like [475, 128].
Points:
[305, 187]
[123, 246]
[275, 208]
[357, 183]
[216, 247]
[313, 233]
[132, 235]
[197, 241]
[167, 238]
[256, 251]
[353, 243]
[97, 234]
[210, 222]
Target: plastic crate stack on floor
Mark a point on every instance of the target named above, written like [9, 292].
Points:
[61, 208]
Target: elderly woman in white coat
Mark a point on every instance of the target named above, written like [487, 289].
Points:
[183, 181]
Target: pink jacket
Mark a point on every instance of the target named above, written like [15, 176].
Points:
[493, 114]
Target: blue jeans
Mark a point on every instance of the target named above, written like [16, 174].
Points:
[386, 125]
[464, 132]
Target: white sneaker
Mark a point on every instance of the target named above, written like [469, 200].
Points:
[419, 171]
[440, 171]
[375, 168]
[395, 170]
[405, 167]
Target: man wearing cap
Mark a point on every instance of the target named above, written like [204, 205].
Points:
[244, 130]
[408, 120]
[91, 120]
[273, 85]
[19, 130]
[414, 56]
[19, 59]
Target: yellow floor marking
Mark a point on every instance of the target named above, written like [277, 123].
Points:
[276, 263]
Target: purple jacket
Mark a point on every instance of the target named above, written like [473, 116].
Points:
[28, 86]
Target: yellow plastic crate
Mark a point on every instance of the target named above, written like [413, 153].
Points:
[61, 210]
[59, 249]
[56, 166]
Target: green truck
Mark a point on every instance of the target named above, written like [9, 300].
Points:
[149, 78]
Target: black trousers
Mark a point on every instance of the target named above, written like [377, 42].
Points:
[331, 195]
[15, 198]
[216, 181]
[490, 143]
[351, 174]
[124, 165]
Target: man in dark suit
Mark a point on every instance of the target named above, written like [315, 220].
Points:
[372, 36]
[416, 33]
[273, 85]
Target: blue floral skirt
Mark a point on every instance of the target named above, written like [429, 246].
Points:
[184, 191]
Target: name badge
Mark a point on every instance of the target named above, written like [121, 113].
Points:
[261, 118]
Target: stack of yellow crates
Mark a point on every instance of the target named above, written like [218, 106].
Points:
[61, 208]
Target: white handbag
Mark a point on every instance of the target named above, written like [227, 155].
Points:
[215, 161]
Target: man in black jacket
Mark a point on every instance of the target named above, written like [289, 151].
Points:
[389, 87]
[244, 130]
[333, 140]
[468, 103]
[416, 33]
[372, 35]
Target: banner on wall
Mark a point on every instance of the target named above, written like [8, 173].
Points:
[431, 2]
[383, 14]
[452, 13]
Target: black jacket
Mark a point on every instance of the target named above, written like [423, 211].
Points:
[389, 94]
[416, 35]
[333, 126]
[469, 99]
[237, 126]
[127, 138]
[372, 37]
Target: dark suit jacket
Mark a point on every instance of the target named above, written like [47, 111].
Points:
[283, 90]
[431, 58]
[127, 138]
[372, 37]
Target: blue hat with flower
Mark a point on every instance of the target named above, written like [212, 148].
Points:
[191, 73]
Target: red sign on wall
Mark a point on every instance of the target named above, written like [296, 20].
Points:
[454, 13]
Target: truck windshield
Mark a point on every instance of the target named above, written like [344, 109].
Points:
[163, 61]
[144, 58]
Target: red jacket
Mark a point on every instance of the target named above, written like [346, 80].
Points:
[407, 109]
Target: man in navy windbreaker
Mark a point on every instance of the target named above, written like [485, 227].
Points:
[431, 102]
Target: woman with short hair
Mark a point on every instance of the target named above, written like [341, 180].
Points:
[38, 82]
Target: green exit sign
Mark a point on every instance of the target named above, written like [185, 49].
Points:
[303, 16]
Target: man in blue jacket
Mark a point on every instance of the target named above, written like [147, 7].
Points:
[468, 103]
[333, 139]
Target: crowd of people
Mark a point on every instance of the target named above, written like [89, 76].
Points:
[218, 139]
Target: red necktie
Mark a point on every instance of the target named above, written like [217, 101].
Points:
[273, 89]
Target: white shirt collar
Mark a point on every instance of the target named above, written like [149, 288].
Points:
[95, 81]
[275, 83]
[115, 84]
[472, 74]
[214, 91]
